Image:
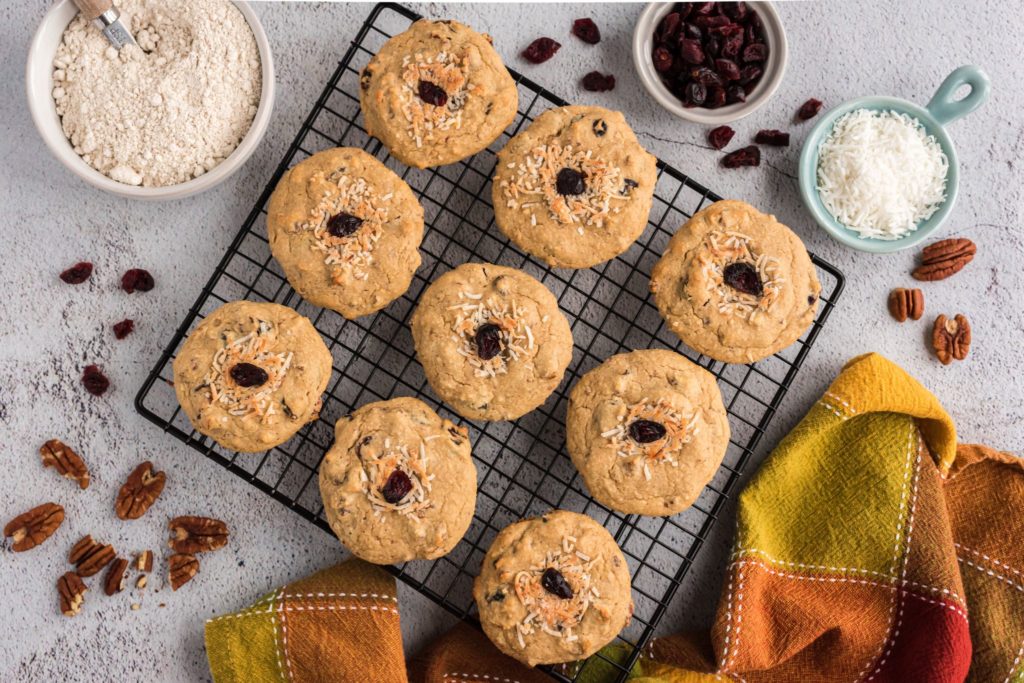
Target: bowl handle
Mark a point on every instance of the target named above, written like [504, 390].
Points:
[945, 109]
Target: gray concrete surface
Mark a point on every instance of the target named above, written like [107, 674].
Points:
[50, 219]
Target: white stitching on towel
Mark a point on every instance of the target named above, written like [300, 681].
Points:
[832, 409]
[728, 620]
[906, 559]
[484, 677]
[340, 595]
[991, 573]
[308, 608]
[1016, 661]
[838, 398]
[987, 558]
[856, 570]
[277, 646]
[284, 640]
[739, 617]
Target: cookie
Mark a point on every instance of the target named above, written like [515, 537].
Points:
[575, 188]
[437, 93]
[398, 484]
[647, 430]
[251, 374]
[735, 284]
[346, 230]
[553, 589]
[492, 341]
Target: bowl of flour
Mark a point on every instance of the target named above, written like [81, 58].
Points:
[171, 117]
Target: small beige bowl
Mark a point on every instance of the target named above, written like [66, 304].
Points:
[775, 67]
[39, 87]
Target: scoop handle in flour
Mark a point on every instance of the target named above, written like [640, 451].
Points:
[91, 9]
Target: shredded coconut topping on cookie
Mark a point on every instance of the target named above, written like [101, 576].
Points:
[352, 252]
[726, 247]
[516, 336]
[679, 431]
[547, 612]
[448, 71]
[250, 348]
[533, 186]
[378, 469]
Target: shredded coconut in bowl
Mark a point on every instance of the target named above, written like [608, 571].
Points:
[880, 174]
[168, 110]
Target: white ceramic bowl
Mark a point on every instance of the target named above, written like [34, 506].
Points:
[775, 66]
[39, 86]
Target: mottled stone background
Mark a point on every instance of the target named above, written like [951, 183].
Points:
[838, 50]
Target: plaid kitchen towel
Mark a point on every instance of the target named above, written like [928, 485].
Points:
[339, 625]
[869, 548]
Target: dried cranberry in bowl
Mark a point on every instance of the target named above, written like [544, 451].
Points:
[709, 54]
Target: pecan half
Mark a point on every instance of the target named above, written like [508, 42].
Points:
[114, 581]
[906, 303]
[951, 338]
[67, 463]
[31, 528]
[191, 534]
[143, 487]
[144, 561]
[71, 589]
[944, 258]
[181, 568]
[89, 557]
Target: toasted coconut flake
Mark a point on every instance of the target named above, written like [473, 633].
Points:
[679, 431]
[517, 338]
[728, 246]
[448, 71]
[253, 348]
[378, 467]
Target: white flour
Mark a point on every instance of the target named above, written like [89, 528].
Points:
[169, 110]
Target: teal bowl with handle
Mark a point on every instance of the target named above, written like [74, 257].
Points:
[935, 116]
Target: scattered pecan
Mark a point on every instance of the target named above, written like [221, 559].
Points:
[114, 581]
[144, 561]
[951, 338]
[31, 528]
[906, 303]
[89, 557]
[181, 568]
[141, 582]
[143, 487]
[944, 258]
[71, 589]
[192, 534]
[67, 463]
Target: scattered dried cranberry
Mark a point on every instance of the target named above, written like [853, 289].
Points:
[743, 277]
[541, 50]
[748, 156]
[124, 328]
[396, 487]
[587, 31]
[248, 375]
[95, 382]
[343, 224]
[136, 280]
[755, 52]
[432, 93]
[662, 59]
[720, 137]
[488, 341]
[595, 81]
[691, 52]
[77, 274]
[570, 182]
[809, 109]
[553, 582]
[772, 137]
[646, 431]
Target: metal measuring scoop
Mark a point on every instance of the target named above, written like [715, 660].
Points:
[108, 19]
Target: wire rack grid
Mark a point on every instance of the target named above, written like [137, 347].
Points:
[522, 468]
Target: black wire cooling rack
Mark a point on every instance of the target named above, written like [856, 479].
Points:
[522, 467]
